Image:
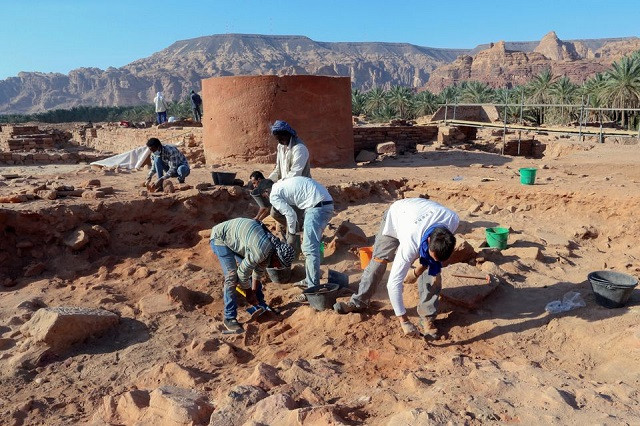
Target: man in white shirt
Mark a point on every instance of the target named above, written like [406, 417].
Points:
[413, 228]
[315, 201]
[292, 160]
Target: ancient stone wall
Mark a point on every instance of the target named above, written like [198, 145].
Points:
[404, 136]
[239, 110]
[122, 139]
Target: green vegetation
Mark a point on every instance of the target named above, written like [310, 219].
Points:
[96, 114]
[618, 87]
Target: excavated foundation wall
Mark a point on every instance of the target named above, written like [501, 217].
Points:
[122, 139]
[404, 136]
[239, 110]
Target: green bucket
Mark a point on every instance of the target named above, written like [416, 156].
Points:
[497, 237]
[527, 175]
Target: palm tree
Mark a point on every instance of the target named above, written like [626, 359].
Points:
[400, 97]
[357, 102]
[563, 91]
[449, 95]
[425, 103]
[376, 99]
[622, 85]
[539, 91]
[477, 92]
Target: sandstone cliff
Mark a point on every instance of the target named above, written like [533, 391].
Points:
[180, 67]
[501, 65]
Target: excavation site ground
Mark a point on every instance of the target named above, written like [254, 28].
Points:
[145, 257]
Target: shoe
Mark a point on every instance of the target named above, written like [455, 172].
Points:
[233, 325]
[346, 307]
[429, 329]
[256, 311]
[300, 298]
[180, 180]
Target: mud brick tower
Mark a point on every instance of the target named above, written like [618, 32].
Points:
[239, 110]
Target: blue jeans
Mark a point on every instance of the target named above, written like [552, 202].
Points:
[160, 168]
[162, 117]
[315, 220]
[229, 263]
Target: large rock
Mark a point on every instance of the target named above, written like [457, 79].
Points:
[386, 148]
[350, 234]
[463, 252]
[131, 405]
[77, 240]
[265, 376]
[61, 327]
[272, 410]
[170, 405]
[365, 156]
[244, 396]
[467, 292]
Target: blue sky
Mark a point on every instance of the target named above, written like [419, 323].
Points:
[61, 35]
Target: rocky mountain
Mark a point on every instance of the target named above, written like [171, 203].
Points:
[507, 64]
[180, 67]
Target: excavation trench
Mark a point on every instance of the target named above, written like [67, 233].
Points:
[505, 359]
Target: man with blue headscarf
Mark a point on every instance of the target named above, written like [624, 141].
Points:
[292, 160]
[412, 228]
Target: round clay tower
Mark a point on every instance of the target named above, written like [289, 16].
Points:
[238, 112]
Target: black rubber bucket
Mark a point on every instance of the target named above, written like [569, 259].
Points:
[323, 296]
[279, 275]
[612, 289]
[223, 178]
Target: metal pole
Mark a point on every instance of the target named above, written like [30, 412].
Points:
[504, 131]
[581, 113]
[454, 108]
[446, 110]
[600, 137]
[521, 122]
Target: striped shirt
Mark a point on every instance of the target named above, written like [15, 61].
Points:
[172, 157]
[247, 239]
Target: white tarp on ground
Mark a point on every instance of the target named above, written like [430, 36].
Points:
[133, 159]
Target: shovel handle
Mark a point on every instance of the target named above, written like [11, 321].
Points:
[486, 277]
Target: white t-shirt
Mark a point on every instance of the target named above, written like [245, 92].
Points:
[407, 220]
[298, 191]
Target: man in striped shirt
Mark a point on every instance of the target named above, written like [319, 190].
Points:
[166, 161]
[245, 248]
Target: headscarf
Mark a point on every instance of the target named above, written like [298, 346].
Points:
[282, 126]
[284, 251]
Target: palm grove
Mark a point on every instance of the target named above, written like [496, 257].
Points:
[618, 87]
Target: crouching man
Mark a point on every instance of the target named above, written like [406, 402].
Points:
[413, 228]
[166, 161]
[245, 248]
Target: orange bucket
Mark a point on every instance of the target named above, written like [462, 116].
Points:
[366, 253]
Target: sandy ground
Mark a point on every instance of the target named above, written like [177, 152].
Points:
[506, 360]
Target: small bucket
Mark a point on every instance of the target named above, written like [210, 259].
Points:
[497, 237]
[323, 296]
[366, 254]
[527, 175]
[612, 289]
[223, 178]
[279, 275]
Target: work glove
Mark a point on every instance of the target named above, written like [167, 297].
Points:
[409, 329]
[411, 276]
